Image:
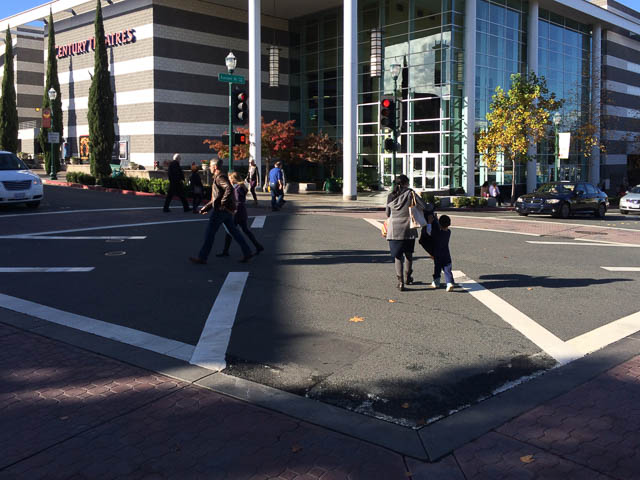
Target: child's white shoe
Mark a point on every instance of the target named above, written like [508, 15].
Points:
[435, 283]
[449, 287]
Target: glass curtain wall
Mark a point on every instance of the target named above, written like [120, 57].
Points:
[426, 38]
[501, 51]
[564, 59]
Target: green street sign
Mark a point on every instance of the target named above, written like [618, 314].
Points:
[225, 77]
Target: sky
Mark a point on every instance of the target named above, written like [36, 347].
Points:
[8, 7]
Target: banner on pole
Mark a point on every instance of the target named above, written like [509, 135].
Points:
[564, 140]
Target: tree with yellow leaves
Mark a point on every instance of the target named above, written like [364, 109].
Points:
[517, 119]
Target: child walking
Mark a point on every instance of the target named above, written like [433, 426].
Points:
[441, 235]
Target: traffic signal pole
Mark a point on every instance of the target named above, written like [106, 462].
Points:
[395, 128]
[230, 129]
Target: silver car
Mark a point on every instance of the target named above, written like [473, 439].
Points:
[630, 203]
[18, 184]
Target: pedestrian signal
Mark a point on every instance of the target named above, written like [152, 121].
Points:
[388, 113]
[239, 139]
[241, 106]
[389, 145]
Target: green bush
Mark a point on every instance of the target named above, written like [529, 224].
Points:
[79, 177]
[483, 202]
[470, 202]
[431, 198]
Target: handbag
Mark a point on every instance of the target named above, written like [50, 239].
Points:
[383, 229]
[416, 215]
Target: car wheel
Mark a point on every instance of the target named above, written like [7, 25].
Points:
[565, 210]
[35, 204]
[602, 210]
[522, 214]
[623, 212]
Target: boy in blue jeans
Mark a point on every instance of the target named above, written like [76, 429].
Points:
[440, 235]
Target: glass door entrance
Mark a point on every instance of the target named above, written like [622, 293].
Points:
[423, 170]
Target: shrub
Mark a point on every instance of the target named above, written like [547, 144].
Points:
[431, 198]
[461, 202]
[483, 202]
[79, 177]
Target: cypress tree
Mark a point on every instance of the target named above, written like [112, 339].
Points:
[101, 131]
[56, 106]
[8, 109]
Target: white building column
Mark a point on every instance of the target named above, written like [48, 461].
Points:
[350, 101]
[596, 85]
[469, 108]
[532, 65]
[255, 86]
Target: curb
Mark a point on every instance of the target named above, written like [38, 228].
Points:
[98, 188]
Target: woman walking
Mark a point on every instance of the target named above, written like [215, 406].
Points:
[253, 177]
[400, 235]
[240, 216]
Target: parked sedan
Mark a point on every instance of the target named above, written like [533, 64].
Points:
[562, 199]
[18, 184]
[630, 203]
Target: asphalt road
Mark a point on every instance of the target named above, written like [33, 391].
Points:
[416, 355]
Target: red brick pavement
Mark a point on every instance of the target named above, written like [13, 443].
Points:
[67, 413]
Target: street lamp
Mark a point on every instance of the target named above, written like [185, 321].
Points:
[557, 118]
[231, 63]
[395, 69]
[52, 96]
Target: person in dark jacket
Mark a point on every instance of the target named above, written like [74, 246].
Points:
[441, 235]
[240, 218]
[196, 186]
[400, 235]
[253, 177]
[176, 184]
[222, 206]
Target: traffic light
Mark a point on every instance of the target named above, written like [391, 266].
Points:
[239, 139]
[388, 113]
[389, 144]
[241, 106]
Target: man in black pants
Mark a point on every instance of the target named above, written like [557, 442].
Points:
[176, 184]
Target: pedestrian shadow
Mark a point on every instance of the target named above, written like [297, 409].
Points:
[493, 282]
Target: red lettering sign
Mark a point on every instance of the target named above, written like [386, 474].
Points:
[111, 40]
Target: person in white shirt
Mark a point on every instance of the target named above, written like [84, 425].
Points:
[494, 192]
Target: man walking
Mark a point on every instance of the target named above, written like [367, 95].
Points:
[176, 184]
[276, 185]
[222, 206]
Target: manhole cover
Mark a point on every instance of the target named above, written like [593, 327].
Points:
[115, 254]
[586, 232]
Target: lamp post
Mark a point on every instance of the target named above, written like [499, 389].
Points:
[231, 62]
[557, 118]
[52, 96]
[395, 73]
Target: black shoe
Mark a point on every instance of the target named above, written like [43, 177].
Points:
[198, 260]
[259, 249]
[409, 280]
[400, 284]
[246, 258]
[166, 210]
[223, 254]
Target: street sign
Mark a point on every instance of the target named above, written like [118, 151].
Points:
[225, 77]
[53, 137]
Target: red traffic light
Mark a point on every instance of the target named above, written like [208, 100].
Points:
[386, 103]
[242, 96]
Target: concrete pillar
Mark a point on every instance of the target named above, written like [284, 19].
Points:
[469, 108]
[350, 101]
[532, 65]
[255, 86]
[596, 85]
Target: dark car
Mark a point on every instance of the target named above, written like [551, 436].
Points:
[562, 199]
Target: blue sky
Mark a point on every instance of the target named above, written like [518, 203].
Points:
[8, 8]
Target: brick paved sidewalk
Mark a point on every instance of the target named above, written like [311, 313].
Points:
[68, 413]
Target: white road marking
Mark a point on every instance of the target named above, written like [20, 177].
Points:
[41, 237]
[536, 333]
[375, 223]
[45, 269]
[145, 340]
[212, 347]
[107, 227]
[586, 244]
[606, 335]
[593, 240]
[497, 231]
[258, 222]
[79, 211]
[507, 219]
[622, 269]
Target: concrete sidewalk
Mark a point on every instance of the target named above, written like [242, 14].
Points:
[70, 413]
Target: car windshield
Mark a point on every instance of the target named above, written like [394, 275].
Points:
[557, 188]
[8, 161]
[635, 189]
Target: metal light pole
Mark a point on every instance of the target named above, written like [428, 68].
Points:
[52, 96]
[395, 73]
[230, 61]
[557, 118]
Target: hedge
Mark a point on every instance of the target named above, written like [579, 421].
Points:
[79, 177]
[470, 202]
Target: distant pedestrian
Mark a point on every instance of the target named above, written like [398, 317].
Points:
[176, 184]
[484, 190]
[441, 235]
[66, 154]
[196, 187]
[222, 206]
[400, 235]
[253, 178]
[276, 186]
[494, 192]
[240, 218]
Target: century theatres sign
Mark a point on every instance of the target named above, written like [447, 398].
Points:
[111, 39]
